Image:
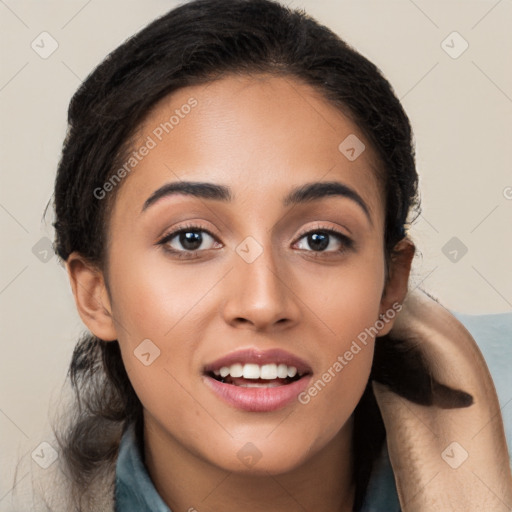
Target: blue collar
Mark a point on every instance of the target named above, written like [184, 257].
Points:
[135, 491]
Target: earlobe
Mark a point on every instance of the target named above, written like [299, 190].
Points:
[395, 290]
[91, 297]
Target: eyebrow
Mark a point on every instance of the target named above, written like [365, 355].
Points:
[299, 195]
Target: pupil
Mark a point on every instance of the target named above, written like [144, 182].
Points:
[318, 241]
[191, 240]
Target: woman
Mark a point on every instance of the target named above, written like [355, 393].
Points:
[231, 206]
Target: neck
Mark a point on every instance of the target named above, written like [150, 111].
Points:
[186, 482]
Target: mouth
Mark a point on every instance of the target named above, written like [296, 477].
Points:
[258, 381]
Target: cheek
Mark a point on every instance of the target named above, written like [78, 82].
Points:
[164, 303]
[154, 295]
[346, 299]
[335, 391]
[348, 306]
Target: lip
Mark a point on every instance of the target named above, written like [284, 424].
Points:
[258, 399]
[260, 357]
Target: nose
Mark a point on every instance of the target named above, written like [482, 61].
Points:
[260, 294]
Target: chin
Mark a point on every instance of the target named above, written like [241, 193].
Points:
[265, 460]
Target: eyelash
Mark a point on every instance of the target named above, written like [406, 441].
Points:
[347, 243]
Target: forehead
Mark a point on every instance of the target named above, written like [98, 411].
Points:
[259, 134]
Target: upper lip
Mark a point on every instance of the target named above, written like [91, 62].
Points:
[260, 357]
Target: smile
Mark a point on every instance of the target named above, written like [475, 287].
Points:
[254, 375]
[258, 385]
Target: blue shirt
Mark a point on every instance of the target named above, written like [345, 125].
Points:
[135, 491]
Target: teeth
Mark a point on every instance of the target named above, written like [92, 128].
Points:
[255, 371]
[251, 371]
[268, 371]
[236, 370]
[282, 371]
[292, 371]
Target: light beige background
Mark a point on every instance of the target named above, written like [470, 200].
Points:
[460, 110]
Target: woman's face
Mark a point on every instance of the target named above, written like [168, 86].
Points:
[247, 276]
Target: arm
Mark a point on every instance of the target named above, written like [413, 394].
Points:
[431, 471]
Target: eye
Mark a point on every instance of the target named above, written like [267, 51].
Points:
[186, 241]
[328, 240]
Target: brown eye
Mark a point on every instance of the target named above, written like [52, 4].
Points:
[319, 240]
[188, 241]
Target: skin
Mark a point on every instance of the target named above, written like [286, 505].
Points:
[261, 135]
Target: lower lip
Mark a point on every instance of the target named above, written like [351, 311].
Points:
[258, 399]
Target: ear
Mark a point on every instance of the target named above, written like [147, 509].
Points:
[396, 285]
[91, 296]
